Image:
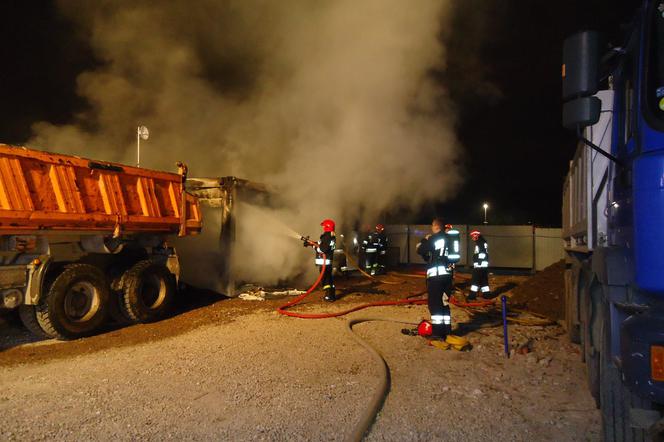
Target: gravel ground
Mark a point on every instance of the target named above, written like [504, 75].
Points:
[236, 370]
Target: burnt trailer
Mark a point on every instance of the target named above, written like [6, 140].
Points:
[207, 258]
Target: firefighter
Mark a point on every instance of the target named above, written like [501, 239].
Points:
[455, 246]
[435, 249]
[324, 253]
[480, 277]
[381, 245]
[370, 251]
[375, 251]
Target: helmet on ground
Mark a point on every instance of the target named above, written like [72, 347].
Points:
[328, 225]
[424, 328]
[448, 227]
[380, 228]
[475, 234]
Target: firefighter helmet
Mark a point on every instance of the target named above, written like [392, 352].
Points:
[328, 225]
[424, 329]
[380, 228]
[475, 234]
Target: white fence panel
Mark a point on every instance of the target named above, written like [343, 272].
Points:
[509, 246]
[548, 247]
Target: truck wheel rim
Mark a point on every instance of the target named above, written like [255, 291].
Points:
[153, 291]
[81, 301]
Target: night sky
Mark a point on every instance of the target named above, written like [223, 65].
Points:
[503, 73]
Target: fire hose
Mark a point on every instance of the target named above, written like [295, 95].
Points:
[367, 418]
[371, 277]
[283, 309]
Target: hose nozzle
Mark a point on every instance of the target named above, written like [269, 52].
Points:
[306, 241]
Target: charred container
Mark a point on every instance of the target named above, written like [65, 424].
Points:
[207, 263]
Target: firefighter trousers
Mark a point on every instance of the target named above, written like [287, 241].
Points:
[480, 281]
[370, 259]
[439, 289]
[328, 279]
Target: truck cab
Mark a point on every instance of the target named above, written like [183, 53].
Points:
[613, 221]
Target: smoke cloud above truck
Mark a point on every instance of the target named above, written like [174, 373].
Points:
[332, 103]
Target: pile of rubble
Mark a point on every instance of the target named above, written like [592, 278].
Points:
[544, 293]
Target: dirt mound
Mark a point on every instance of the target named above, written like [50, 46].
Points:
[544, 293]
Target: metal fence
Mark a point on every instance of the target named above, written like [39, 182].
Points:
[524, 247]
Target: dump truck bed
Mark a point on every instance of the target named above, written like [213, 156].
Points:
[48, 191]
[586, 185]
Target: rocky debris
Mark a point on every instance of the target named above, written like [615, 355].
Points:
[262, 295]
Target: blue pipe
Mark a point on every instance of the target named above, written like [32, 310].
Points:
[503, 300]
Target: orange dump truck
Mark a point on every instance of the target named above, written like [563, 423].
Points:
[81, 240]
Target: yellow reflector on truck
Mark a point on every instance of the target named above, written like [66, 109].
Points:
[657, 362]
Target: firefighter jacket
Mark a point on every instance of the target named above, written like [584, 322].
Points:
[481, 253]
[326, 245]
[381, 242]
[435, 250]
[455, 245]
[375, 242]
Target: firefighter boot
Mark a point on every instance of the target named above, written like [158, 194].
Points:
[439, 331]
[329, 294]
[472, 296]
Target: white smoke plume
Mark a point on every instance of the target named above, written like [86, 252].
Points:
[332, 102]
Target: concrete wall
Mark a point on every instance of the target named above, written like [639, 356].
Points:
[509, 246]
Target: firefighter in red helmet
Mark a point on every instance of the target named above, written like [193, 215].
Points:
[480, 276]
[324, 253]
[381, 242]
[375, 250]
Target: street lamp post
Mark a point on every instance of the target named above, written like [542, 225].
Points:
[485, 206]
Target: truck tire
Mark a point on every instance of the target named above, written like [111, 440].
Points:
[573, 332]
[616, 400]
[76, 303]
[573, 292]
[592, 323]
[116, 311]
[28, 317]
[148, 291]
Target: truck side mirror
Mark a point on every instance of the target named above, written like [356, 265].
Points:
[581, 112]
[581, 59]
[581, 55]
